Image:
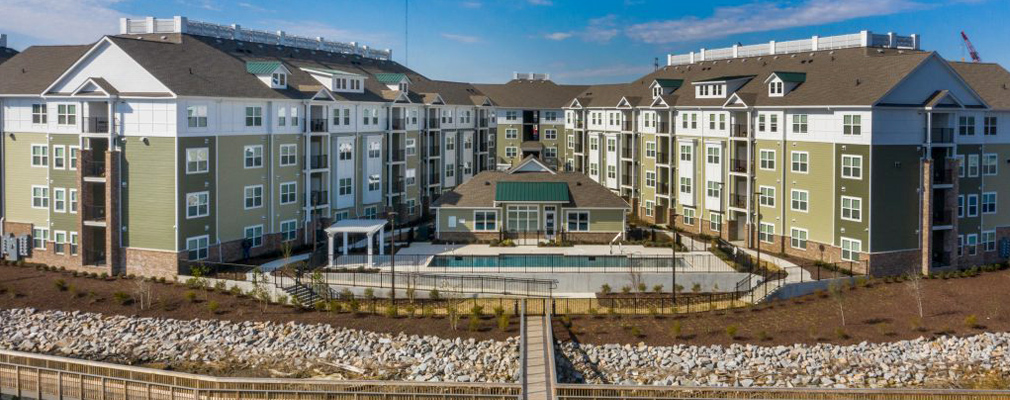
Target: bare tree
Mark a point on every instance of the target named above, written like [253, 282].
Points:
[634, 275]
[142, 293]
[837, 290]
[260, 291]
[914, 286]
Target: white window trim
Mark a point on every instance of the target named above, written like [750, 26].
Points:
[247, 148]
[280, 154]
[262, 234]
[792, 166]
[245, 198]
[281, 192]
[45, 197]
[851, 240]
[807, 192]
[70, 157]
[589, 220]
[283, 231]
[852, 156]
[72, 199]
[792, 236]
[761, 232]
[774, 159]
[188, 172]
[995, 203]
[197, 239]
[187, 204]
[31, 155]
[967, 205]
[497, 220]
[842, 208]
[52, 157]
[55, 234]
[66, 200]
[774, 194]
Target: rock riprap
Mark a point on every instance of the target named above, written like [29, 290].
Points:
[908, 363]
[258, 348]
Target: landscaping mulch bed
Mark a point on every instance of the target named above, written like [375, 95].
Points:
[22, 287]
[877, 312]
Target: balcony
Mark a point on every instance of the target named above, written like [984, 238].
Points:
[435, 178]
[738, 131]
[320, 198]
[627, 152]
[482, 122]
[433, 122]
[397, 186]
[434, 151]
[398, 124]
[943, 176]
[93, 213]
[93, 168]
[579, 124]
[738, 201]
[941, 135]
[319, 162]
[627, 126]
[318, 125]
[96, 125]
[626, 179]
[397, 155]
[738, 165]
[662, 158]
[663, 188]
[944, 217]
[664, 127]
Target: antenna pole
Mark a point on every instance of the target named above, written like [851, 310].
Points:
[406, 36]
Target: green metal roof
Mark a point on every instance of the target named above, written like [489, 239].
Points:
[389, 77]
[794, 77]
[532, 192]
[726, 78]
[670, 83]
[261, 67]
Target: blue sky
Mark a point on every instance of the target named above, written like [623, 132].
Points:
[587, 41]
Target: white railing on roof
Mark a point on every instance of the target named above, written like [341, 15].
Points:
[236, 32]
[3, 40]
[861, 39]
[533, 76]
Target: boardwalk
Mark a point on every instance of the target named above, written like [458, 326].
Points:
[538, 378]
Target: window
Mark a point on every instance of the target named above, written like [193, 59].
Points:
[972, 207]
[336, 117]
[715, 222]
[775, 88]
[40, 155]
[254, 234]
[511, 152]
[966, 126]
[523, 218]
[289, 192]
[611, 172]
[197, 247]
[973, 165]
[511, 115]
[801, 162]
[686, 152]
[800, 123]
[511, 133]
[650, 179]
[374, 150]
[594, 169]
[571, 142]
[60, 200]
[851, 249]
[289, 230]
[289, 155]
[852, 125]
[989, 203]
[722, 122]
[989, 240]
[551, 152]
[767, 197]
[196, 116]
[766, 232]
[852, 208]
[798, 238]
[75, 152]
[972, 243]
[410, 178]
[73, 201]
[279, 80]
[450, 143]
[762, 122]
[450, 171]
[650, 149]
[197, 205]
[989, 164]
[713, 155]
[960, 206]
[773, 125]
[711, 121]
[411, 206]
[253, 196]
[694, 121]
[852, 167]
[485, 221]
[282, 116]
[344, 187]
[649, 206]
[253, 156]
[39, 114]
[767, 159]
[551, 134]
[689, 216]
[254, 116]
[683, 121]
[685, 185]
[960, 165]
[374, 182]
[594, 143]
[960, 245]
[411, 147]
[73, 243]
[713, 189]
[800, 200]
[989, 126]
[66, 114]
[40, 197]
[611, 145]
[294, 116]
[39, 238]
[345, 152]
[59, 157]
[578, 221]
[197, 161]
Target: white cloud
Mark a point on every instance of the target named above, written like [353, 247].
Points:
[471, 4]
[765, 16]
[599, 30]
[461, 38]
[558, 35]
[606, 71]
[59, 21]
[541, 2]
[253, 7]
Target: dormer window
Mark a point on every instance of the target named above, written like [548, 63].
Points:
[656, 92]
[337, 80]
[775, 88]
[719, 88]
[271, 73]
[780, 83]
[279, 80]
[711, 90]
[403, 87]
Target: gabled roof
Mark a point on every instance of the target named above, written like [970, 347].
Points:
[262, 67]
[93, 85]
[481, 190]
[990, 81]
[669, 83]
[791, 77]
[33, 70]
[531, 94]
[942, 99]
[531, 164]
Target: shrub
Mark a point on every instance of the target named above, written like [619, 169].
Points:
[409, 309]
[369, 294]
[657, 289]
[679, 288]
[732, 331]
[476, 310]
[320, 305]
[625, 289]
[354, 306]
[593, 312]
[605, 289]
[474, 324]
[296, 302]
[434, 295]
[636, 332]
[104, 276]
[235, 290]
[282, 299]
[642, 288]
[840, 334]
[763, 336]
[333, 306]
[61, 285]
[391, 311]
[503, 322]
[696, 288]
[190, 296]
[613, 312]
[220, 286]
[653, 311]
[971, 321]
[675, 329]
[427, 311]
[212, 306]
[122, 298]
[498, 311]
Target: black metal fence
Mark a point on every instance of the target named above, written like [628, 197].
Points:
[534, 263]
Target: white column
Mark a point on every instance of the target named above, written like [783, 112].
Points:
[329, 248]
[815, 43]
[382, 240]
[370, 238]
[345, 243]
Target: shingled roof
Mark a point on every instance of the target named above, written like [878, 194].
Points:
[991, 81]
[33, 70]
[525, 93]
[480, 191]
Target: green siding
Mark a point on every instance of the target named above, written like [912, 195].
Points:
[147, 198]
[232, 217]
[20, 176]
[606, 220]
[895, 209]
[819, 183]
[66, 179]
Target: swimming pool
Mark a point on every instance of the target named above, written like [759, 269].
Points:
[553, 261]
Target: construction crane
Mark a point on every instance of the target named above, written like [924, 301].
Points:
[971, 49]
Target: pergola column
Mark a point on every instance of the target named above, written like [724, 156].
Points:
[329, 248]
[370, 238]
[382, 241]
[345, 243]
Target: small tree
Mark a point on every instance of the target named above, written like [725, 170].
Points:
[914, 286]
[259, 291]
[142, 292]
[837, 291]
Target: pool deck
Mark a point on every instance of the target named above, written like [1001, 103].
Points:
[579, 250]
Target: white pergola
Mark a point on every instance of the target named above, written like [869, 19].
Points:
[369, 227]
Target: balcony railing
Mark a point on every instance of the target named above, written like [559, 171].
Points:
[941, 135]
[662, 158]
[663, 188]
[397, 155]
[626, 179]
[738, 165]
[943, 176]
[627, 152]
[96, 125]
[319, 161]
[320, 197]
[318, 125]
[944, 217]
[579, 124]
[398, 124]
[93, 168]
[94, 212]
[433, 123]
[482, 122]
[397, 186]
[627, 126]
[738, 201]
[434, 151]
[739, 130]
[664, 127]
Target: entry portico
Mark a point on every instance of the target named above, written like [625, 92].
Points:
[368, 227]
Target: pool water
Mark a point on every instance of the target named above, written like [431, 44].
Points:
[551, 261]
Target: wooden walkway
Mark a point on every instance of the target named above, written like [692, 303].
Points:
[538, 379]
